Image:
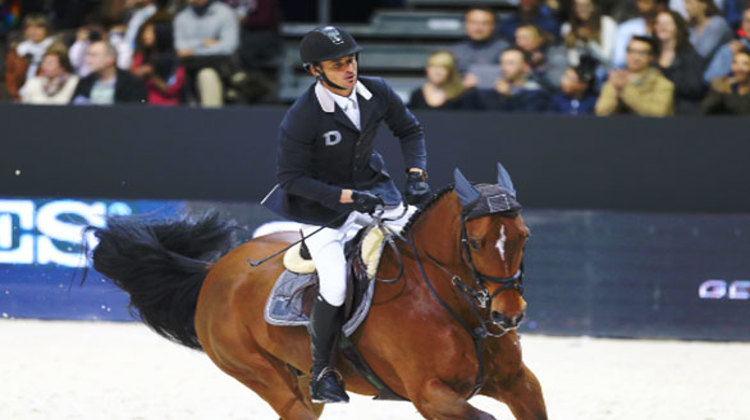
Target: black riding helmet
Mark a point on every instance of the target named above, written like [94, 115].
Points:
[326, 43]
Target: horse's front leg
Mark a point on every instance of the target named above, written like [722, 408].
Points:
[436, 400]
[521, 392]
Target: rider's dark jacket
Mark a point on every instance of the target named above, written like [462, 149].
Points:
[321, 152]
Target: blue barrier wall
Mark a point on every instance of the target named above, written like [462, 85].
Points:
[599, 273]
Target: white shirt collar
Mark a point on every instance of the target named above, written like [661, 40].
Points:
[328, 99]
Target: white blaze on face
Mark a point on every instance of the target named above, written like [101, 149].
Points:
[500, 244]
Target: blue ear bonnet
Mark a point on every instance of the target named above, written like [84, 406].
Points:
[492, 199]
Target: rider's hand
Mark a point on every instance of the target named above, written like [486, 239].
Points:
[417, 190]
[365, 202]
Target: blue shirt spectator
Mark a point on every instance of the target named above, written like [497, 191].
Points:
[708, 30]
[576, 96]
[530, 12]
[206, 27]
[722, 61]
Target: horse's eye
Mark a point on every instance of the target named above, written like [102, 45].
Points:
[474, 244]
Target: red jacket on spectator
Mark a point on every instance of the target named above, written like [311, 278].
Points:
[175, 83]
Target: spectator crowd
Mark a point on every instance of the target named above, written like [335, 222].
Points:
[673, 57]
[644, 57]
[205, 52]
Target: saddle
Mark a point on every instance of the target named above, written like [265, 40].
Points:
[290, 301]
[291, 297]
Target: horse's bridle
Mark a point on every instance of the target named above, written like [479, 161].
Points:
[483, 296]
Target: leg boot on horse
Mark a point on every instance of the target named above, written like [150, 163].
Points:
[326, 385]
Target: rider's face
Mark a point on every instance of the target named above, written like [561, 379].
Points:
[341, 71]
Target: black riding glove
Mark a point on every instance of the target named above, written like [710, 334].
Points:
[417, 190]
[365, 202]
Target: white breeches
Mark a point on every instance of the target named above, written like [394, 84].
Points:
[327, 249]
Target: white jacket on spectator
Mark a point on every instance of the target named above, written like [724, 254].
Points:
[219, 23]
[601, 50]
[625, 32]
[33, 91]
[35, 51]
[136, 20]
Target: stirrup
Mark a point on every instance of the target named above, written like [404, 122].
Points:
[328, 392]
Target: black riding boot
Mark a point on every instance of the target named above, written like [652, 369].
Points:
[326, 385]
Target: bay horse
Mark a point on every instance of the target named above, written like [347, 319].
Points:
[445, 331]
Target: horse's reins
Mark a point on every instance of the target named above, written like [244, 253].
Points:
[470, 295]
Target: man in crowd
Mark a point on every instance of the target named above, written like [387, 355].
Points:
[731, 94]
[722, 61]
[642, 25]
[576, 96]
[516, 91]
[106, 84]
[533, 12]
[548, 61]
[206, 35]
[478, 55]
[639, 89]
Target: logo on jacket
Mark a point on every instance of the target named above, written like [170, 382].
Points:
[332, 138]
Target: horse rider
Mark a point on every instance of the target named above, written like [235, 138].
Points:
[329, 175]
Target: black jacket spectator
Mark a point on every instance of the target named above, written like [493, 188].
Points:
[686, 72]
[128, 88]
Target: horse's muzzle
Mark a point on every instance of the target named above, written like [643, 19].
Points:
[506, 322]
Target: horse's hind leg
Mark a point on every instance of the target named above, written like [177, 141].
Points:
[436, 400]
[275, 383]
[522, 393]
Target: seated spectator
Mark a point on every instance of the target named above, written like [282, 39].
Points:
[679, 62]
[642, 25]
[576, 96]
[533, 12]
[55, 83]
[443, 89]
[156, 63]
[141, 11]
[107, 85]
[206, 35]
[731, 94]
[91, 33]
[36, 29]
[589, 32]
[482, 49]
[679, 7]
[639, 89]
[708, 30]
[516, 91]
[548, 61]
[722, 61]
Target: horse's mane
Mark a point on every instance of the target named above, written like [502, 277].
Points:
[440, 194]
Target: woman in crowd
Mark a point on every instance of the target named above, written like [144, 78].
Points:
[731, 94]
[679, 62]
[589, 32]
[443, 89]
[36, 30]
[156, 62]
[708, 30]
[55, 83]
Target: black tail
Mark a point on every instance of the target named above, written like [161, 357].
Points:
[162, 266]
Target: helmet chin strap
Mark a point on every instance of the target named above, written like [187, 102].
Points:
[322, 77]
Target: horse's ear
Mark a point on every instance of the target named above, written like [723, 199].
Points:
[467, 194]
[503, 180]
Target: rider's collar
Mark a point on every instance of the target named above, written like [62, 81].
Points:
[326, 100]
